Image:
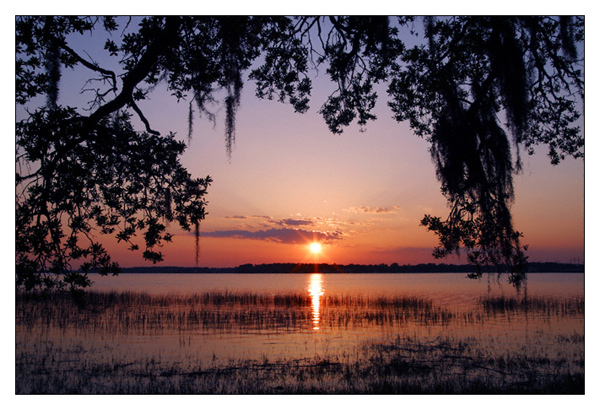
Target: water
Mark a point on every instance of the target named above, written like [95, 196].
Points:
[446, 289]
[339, 318]
[452, 291]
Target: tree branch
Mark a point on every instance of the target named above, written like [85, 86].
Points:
[147, 62]
[143, 118]
[91, 66]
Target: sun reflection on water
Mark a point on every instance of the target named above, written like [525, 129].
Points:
[315, 290]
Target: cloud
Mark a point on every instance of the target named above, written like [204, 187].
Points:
[283, 235]
[271, 220]
[262, 217]
[296, 222]
[247, 217]
[369, 210]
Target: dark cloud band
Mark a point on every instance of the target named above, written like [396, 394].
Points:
[284, 235]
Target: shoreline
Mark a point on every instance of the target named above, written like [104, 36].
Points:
[325, 268]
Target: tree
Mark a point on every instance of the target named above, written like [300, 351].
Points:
[473, 74]
[81, 169]
[77, 173]
[477, 88]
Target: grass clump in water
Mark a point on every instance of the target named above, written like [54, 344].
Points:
[547, 305]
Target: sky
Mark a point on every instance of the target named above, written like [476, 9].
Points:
[361, 194]
[289, 181]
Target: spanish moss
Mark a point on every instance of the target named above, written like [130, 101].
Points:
[52, 66]
[197, 235]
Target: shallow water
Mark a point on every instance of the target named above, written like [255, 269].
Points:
[451, 289]
[337, 316]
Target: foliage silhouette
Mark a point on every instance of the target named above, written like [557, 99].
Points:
[455, 91]
[78, 173]
[81, 169]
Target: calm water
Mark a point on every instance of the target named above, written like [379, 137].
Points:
[446, 289]
[320, 335]
[174, 336]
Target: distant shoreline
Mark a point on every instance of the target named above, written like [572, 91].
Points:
[534, 267]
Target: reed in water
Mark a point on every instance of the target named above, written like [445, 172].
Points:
[138, 343]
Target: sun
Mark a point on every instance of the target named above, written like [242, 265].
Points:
[315, 247]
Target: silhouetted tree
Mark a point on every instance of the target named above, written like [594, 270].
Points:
[79, 172]
[477, 88]
[480, 88]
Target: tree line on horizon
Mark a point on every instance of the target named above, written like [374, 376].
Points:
[351, 268]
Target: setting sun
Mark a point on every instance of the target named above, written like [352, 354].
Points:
[315, 247]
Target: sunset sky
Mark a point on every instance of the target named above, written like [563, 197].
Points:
[290, 182]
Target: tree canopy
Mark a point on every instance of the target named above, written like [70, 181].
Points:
[479, 89]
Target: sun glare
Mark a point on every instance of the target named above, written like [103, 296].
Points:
[315, 247]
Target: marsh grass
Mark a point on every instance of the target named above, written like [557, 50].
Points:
[537, 304]
[123, 343]
[131, 311]
[402, 366]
